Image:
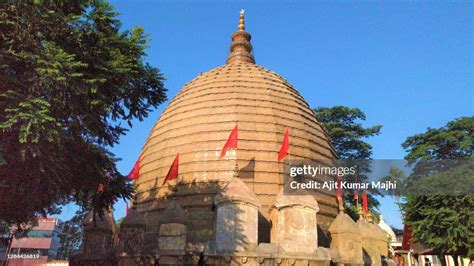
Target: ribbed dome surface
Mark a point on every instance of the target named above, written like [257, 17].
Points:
[198, 121]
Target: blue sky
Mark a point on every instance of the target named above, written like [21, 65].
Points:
[407, 64]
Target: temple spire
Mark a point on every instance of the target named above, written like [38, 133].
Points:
[241, 48]
[242, 20]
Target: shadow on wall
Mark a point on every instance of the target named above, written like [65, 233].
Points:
[264, 225]
[248, 171]
[324, 238]
[264, 229]
[199, 226]
[366, 257]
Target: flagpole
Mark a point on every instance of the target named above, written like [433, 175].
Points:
[357, 199]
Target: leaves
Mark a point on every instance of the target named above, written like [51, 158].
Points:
[453, 141]
[343, 125]
[440, 203]
[32, 117]
[346, 132]
[68, 77]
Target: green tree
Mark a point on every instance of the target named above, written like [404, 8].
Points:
[443, 221]
[69, 78]
[347, 134]
[395, 176]
[70, 236]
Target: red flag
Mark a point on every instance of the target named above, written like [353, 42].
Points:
[339, 187]
[135, 171]
[365, 203]
[100, 187]
[356, 193]
[231, 142]
[173, 172]
[285, 146]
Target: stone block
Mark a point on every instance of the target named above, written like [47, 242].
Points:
[267, 248]
[295, 223]
[172, 243]
[173, 229]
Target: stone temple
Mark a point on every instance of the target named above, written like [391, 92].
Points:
[231, 211]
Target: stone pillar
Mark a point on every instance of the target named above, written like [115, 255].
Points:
[172, 229]
[370, 243]
[382, 240]
[294, 224]
[132, 234]
[237, 218]
[98, 246]
[346, 239]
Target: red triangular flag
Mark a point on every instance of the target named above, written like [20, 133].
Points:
[135, 171]
[285, 146]
[356, 192]
[100, 187]
[173, 172]
[231, 142]
[339, 187]
[365, 202]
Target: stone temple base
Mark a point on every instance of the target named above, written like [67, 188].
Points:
[269, 254]
[264, 255]
[294, 236]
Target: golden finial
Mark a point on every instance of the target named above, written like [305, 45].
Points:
[242, 20]
[241, 48]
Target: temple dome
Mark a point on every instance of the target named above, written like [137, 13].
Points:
[387, 228]
[198, 120]
[197, 123]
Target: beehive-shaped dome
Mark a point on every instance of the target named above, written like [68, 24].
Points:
[199, 119]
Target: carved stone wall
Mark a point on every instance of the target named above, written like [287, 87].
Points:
[382, 240]
[294, 223]
[370, 243]
[132, 239]
[98, 246]
[346, 240]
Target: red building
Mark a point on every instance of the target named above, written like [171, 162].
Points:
[40, 246]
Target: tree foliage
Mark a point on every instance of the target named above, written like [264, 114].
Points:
[69, 77]
[347, 134]
[70, 236]
[443, 221]
[396, 176]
